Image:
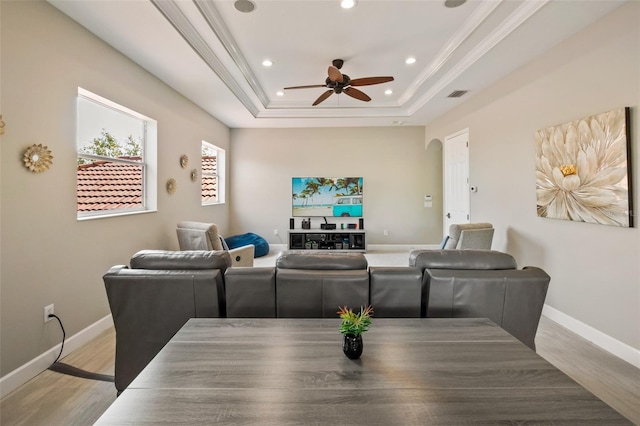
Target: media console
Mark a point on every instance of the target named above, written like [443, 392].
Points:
[322, 239]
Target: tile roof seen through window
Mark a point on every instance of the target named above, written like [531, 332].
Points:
[104, 185]
[209, 181]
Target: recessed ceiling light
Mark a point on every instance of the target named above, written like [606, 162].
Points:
[388, 92]
[280, 93]
[267, 63]
[244, 6]
[410, 60]
[347, 4]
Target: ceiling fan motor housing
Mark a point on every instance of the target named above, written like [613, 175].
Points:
[338, 86]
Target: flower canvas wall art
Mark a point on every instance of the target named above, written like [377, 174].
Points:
[583, 170]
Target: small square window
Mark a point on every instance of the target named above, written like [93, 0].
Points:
[213, 163]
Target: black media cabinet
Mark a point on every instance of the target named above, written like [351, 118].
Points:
[322, 239]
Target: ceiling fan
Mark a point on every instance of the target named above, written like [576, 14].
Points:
[337, 82]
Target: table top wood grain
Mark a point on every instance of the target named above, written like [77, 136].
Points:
[293, 371]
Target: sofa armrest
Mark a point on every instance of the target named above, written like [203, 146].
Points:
[150, 306]
[242, 256]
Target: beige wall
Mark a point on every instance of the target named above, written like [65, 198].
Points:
[594, 269]
[393, 161]
[47, 255]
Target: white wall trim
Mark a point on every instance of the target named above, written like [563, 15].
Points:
[402, 247]
[598, 338]
[31, 369]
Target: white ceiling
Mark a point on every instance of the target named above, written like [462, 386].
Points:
[212, 53]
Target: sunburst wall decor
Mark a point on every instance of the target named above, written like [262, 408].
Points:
[37, 158]
[171, 186]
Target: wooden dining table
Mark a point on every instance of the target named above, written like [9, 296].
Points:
[412, 372]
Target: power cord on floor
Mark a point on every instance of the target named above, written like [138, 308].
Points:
[60, 367]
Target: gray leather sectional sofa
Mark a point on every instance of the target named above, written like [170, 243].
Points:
[154, 297]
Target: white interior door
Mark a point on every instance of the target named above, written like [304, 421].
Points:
[456, 179]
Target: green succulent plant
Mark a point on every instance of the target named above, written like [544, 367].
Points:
[355, 323]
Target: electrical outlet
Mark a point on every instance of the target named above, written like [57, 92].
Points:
[275, 232]
[386, 232]
[48, 310]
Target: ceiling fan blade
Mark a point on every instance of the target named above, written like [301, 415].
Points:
[305, 87]
[335, 74]
[322, 97]
[357, 94]
[368, 81]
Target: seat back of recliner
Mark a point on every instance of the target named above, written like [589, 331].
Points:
[198, 236]
[511, 298]
[150, 303]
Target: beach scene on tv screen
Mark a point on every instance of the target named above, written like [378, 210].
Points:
[327, 196]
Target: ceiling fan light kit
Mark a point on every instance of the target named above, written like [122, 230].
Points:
[337, 82]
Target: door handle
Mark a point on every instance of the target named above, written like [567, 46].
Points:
[448, 215]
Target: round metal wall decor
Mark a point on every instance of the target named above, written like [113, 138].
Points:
[194, 175]
[37, 158]
[171, 186]
[184, 161]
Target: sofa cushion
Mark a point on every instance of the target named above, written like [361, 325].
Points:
[300, 259]
[181, 260]
[461, 259]
[303, 293]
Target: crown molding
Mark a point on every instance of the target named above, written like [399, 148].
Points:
[172, 12]
[513, 21]
[481, 13]
[219, 27]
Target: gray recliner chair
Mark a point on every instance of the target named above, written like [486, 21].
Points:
[205, 236]
[154, 298]
[482, 284]
[469, 236]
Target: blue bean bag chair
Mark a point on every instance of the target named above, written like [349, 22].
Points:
[261, 245]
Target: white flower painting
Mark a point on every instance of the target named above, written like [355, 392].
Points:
[583, 170]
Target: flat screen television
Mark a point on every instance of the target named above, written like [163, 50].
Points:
[327, 196]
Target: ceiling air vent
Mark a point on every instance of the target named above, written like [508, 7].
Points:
[457, 93]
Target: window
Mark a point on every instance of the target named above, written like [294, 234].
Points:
[116, 159]
[213, 163]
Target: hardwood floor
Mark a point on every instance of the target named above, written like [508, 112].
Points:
[57, 399]
[611, 379]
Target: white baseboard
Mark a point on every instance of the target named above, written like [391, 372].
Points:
[598, 338]
[31, 369]
[401, 247]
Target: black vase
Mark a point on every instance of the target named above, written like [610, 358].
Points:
[352, 346]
